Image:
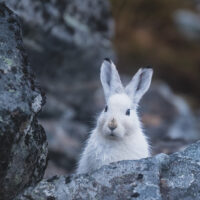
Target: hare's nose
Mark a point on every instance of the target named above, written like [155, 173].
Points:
[112, 128]
[112, 125]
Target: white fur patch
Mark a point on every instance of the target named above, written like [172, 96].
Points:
[118, 134]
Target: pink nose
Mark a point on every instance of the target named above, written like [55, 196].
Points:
[112, 125]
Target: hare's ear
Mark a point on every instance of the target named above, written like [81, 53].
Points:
[110, 78]
[139, 84]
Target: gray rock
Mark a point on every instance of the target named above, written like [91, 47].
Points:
[122, 180]
[161, 177]
[66, 43]
[23, 146]
[54, 170]
[180, 177]
[74, 22]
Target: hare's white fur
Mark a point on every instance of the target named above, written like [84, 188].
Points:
[127, 140]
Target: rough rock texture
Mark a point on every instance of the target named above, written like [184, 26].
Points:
[66, 43]
[23, 146]
[161, 177]
[181, 174]
[63, 35]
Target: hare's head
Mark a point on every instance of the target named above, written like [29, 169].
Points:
[119, 117]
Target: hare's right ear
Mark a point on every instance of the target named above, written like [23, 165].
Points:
[110, 78]
[139, 84]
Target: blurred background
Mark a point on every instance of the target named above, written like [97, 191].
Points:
[66, 41]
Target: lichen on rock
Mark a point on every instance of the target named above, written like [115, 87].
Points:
[23, 145]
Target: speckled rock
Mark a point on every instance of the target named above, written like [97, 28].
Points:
[56, 33]
[77, 22]
[23, 146]
[66, 41]
[122, 180]
[180, 178]
[160, 177]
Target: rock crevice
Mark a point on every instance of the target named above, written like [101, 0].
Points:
[23, 145]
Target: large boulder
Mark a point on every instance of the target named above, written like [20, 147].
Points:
[23, 145]
[66, 41]
[161, 177]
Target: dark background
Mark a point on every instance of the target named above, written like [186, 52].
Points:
[165, 35]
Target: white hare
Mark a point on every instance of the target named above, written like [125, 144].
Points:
[118, 134]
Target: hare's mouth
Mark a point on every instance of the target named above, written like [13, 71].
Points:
[112, 135]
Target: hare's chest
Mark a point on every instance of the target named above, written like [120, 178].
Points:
[104, 153]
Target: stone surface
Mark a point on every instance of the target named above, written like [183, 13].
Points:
[180, 176]
[66, 43]
[161, 177]
[23, 146]
[56, 33]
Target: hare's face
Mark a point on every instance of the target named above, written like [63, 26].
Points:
[119, 118]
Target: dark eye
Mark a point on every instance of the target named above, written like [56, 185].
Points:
[128, 112]
[106, 109]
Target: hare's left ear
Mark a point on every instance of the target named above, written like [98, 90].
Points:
[139, 84]
[110, 79]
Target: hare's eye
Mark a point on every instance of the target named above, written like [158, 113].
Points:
[106, 109]
[128, 112]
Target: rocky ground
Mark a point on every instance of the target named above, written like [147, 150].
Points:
[160, 177]
[68, 70]
[66, 44]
